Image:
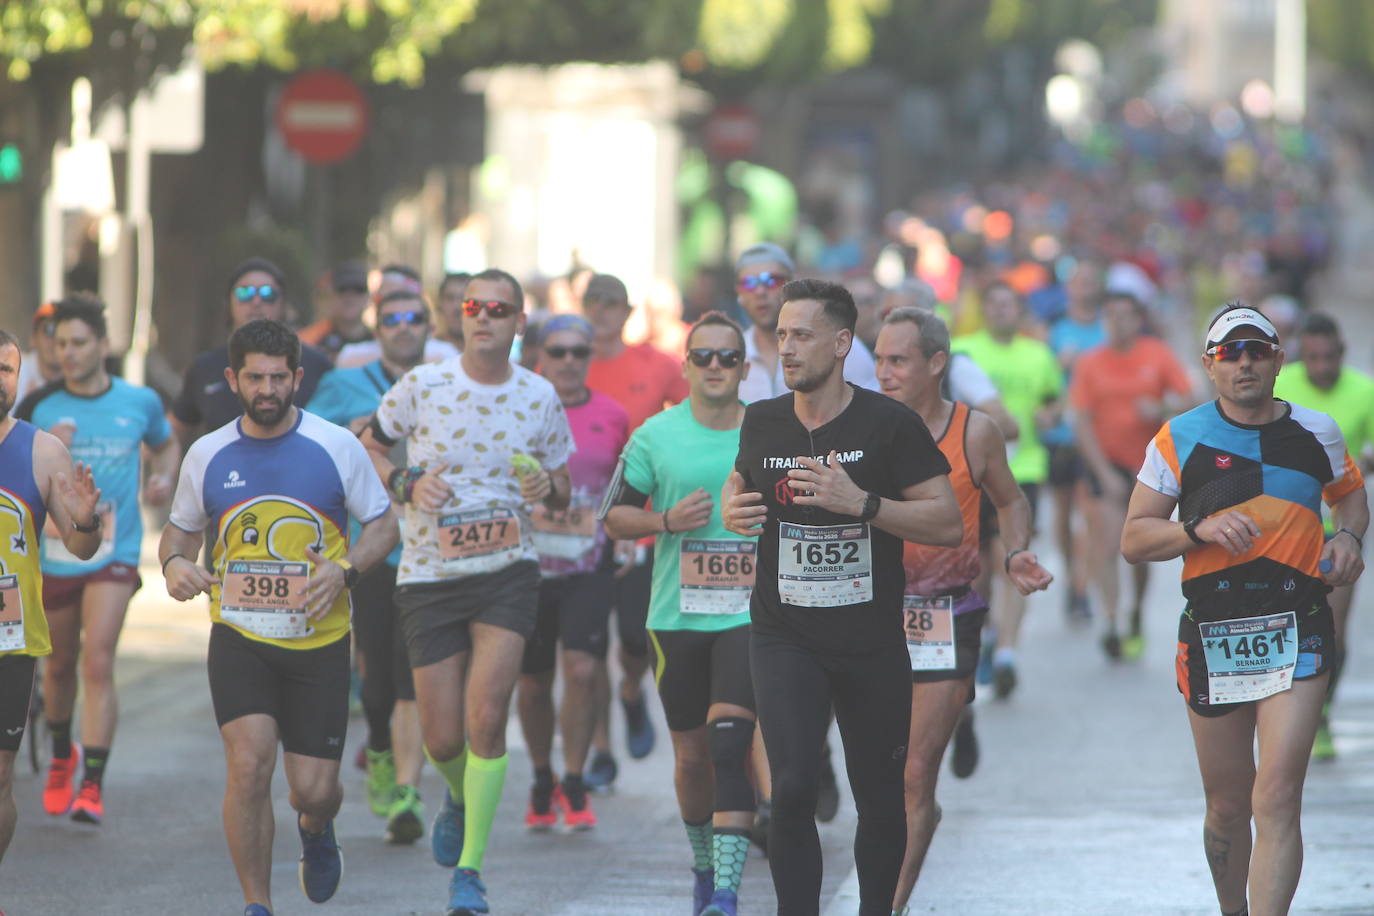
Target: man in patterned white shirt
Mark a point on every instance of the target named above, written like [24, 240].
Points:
[486, 440]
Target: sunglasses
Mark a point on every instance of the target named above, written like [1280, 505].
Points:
[701, 357]
[266, 292]
[495, 308]
[1230, 351]
[581, 351]
[393, 319]
[763, 280]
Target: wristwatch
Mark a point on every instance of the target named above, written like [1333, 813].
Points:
[872, 504]
[1188, 527]
[350, 572]
[92, 528]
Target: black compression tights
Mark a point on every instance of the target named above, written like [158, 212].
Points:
[872, 699]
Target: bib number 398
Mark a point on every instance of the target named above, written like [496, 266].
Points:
[929, 632]
[824, 566]
[266, 597]
[1250, 659]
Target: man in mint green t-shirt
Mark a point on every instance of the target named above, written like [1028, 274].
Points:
[699, 607]
[1322, 382]
[1030, 382]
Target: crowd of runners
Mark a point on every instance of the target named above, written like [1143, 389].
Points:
[817, 511]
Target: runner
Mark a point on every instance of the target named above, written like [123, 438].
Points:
[277, 487]
[40, 365]
[485, 440]
[1255, 642]
[643, 380]
[393, 278]
[104, 421]
[699, 612]
[943, 615]
[394, 753]
[344, 324]
[833, 478]
[1121, 393]
[37, 478]
[1322, 382]
[1028, 377]
[449, 305]
[575, 590]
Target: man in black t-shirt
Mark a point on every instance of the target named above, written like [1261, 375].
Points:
[256, 289]
[832, 478]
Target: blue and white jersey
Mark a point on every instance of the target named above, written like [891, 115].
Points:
[267, 500]
[105, 431]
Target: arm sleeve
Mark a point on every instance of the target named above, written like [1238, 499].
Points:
[185, 408]
[188, 505]
[396, 415]
[921, 457]
[741, 461]
[157, 430]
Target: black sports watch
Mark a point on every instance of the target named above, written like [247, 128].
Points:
[351, 573]
[872, 504]
[1188, 527]
[92, 528]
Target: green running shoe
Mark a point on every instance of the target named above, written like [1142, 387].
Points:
[405, 819]
[381, 781]
[1323, 748]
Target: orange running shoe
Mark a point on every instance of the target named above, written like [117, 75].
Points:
[576, 817]
[542, 813]
[88, 807]
[60, 791]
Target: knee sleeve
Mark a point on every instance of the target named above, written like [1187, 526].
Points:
[731, 738]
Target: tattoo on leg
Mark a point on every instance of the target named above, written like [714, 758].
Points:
[1218, 852]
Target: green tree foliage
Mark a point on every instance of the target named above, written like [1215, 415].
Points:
[1343, 32]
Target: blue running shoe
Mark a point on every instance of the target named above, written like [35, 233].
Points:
[703, 883]
[467, 895]
[256, 909]
[723, 903]
[446, 835]
[639, 730]
[321, 863]
[601, 772]
[983, 674]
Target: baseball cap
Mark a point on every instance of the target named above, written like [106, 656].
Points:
[45, 311]
[764, 253]
[1242, 317]
[349, 275]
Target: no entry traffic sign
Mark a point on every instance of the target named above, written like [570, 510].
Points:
[322, 115]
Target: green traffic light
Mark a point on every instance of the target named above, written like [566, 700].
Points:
[11, 164]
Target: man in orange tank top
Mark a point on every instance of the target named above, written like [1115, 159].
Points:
[943, 615]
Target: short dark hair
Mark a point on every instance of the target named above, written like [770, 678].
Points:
[1121, 295]
[835, 299]
[1003, 284]
[461, 276]
[267, 337]
[496, 273]
[251, 265]
[85, 308]
[9, 340]
[934, 331]
[1319, 324]
[404, 270]
[715, 316]
[397, 295]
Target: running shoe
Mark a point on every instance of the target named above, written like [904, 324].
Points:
[763, 820]
[321, 863]
[639, 731]
[963, 759]
[88, 808]
[1078, 610]
[573, 797]
[983, 675]
[1003, 680]
[1111, 644]
[703, 885]
[381, 781]
[252, 909]
[602, 772]
[1133, 647]
[405, 819]
[541, 815]
[467, 895]
[60, 791]
[828, 796]
[1323, 748]
[723, 903]
[446, 833]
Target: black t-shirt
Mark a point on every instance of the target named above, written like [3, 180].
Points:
[207, 401]
[885, 447]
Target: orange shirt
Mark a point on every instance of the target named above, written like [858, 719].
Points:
[1107, 383]
[642, 379]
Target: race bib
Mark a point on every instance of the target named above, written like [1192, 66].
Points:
[566, 534]
[11, 614]
[266, 598]
[824, 566]
[929, 632]
[56, 551]
[716, 575]
[479, 541]
[1249, 659]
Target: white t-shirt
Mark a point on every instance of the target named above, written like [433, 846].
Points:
[447, 418]
[367, 351]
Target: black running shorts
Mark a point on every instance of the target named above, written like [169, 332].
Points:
[694, 670]
[435, 616]
[16, 687]
[574, 610]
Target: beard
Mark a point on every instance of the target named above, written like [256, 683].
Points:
[267, 411]
[807, 380]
